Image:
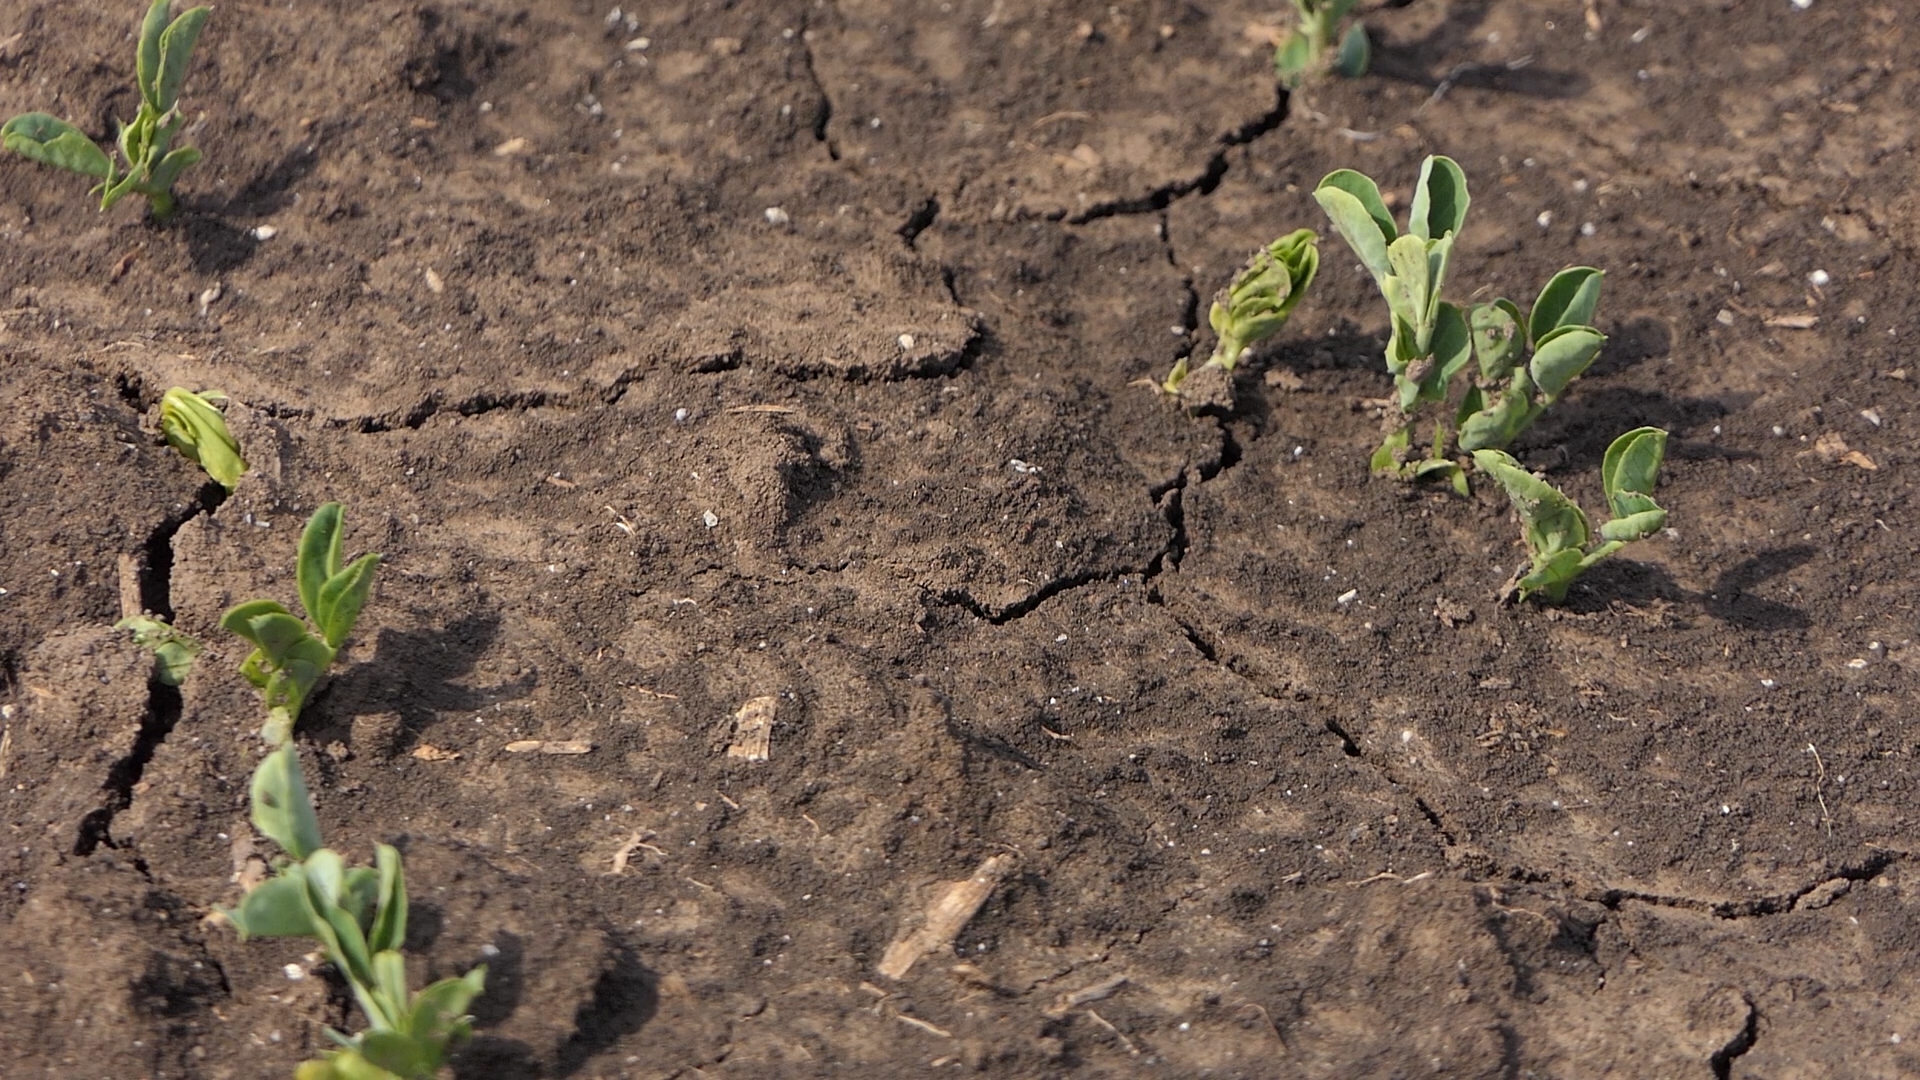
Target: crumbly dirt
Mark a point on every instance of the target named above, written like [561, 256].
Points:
[798, 353]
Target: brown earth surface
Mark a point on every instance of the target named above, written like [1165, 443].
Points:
[702, 352]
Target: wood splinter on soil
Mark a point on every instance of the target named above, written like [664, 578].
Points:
[946, 917]
[549, 746]
[753, 729]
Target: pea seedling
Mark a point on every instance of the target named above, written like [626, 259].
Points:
[173, 651]
[358, 915]
[1433, 341]
[194, 427]
[288, 660]
[146, 145]
[1258, 302]
[1310, 45]
[1560, 542]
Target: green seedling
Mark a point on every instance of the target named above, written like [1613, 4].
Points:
[146, 145]
[173, 651]
[1561, 544]
[358, 915]
[1524, 364]
[1310, 46]
[1258, 302]
[193, 426]
[289, 656]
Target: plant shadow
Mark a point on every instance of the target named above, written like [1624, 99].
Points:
[414, 674]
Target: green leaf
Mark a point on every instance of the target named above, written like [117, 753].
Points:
[147, 56]
[360, 895]
[400, 1054]
[1634, 526]
[275, 908]
[1561, 356]
[1553, 522]
[389, 928]
[326, 882]
[55, 142]
[440, 1010]
[1387, 458]
[1439, 200]
[1409, 288]
[390, 982]
[115, 190]
[173, 651]
[1497, 338]
[1549, 578]
[176, 54]
[199, 432]
[342, 597]
[282, 810]
[319, 557]
[171, 166]
[1352, 202]
[1568, 300]
[1632, 464]
[344, 1065]
[1356, 52]
[1293, 60]
[1452, 345]
[239, 618]
[277, 634]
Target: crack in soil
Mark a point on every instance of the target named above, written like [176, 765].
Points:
[1874, 865]
[917, 223]
[823, 112]
[1722, 1060]
[1209, 178]
[164, 704]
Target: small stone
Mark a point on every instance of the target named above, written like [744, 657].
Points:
[777, 216]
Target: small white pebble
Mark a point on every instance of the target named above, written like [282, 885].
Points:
[1871, 416]
[1642, 34]
[680, 415]
[1580, 186]
[1347, 597]
[777, 216]
[712, 519]
[874, 123]
[295, 972]
[1587, 229]
[1545, 219]
[1819, 278]
[265, 232]
[1725, 318]
[1856, 663]
[639, 44]
[1802, 5]
[1767, 684]
[1779, 432]
[906, 341]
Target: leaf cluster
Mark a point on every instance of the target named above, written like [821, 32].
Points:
[1310, 46]
[358, 915]
[1561, 543]
[193, 426]
[1257, 303]
[1524, 363]
[289, 656]
[151, 163]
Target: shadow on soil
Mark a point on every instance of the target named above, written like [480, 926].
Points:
[417, 673]
[625, 998]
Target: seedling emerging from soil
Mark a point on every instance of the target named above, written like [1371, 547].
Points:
[1433, 341]
[359, 917]
[1310, 46]
[1258, 302]
[288, 660]
[152, 165]
[173, 651]
[194, 427]
[1560, 544]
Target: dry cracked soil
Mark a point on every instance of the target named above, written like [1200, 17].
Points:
[691, 353]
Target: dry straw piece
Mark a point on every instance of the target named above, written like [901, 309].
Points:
[753, 729]
[946, 917]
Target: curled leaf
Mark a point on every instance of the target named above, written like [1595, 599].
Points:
[52, 141]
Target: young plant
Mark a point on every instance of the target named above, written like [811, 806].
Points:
[193, 426]
[1524, 364]
[1560, 542]
[1258, 302]
[289, 657]
[146, 145]
[173, 651]
[1310, 46]
[358, 915]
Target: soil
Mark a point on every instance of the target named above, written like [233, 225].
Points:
[709, 352]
